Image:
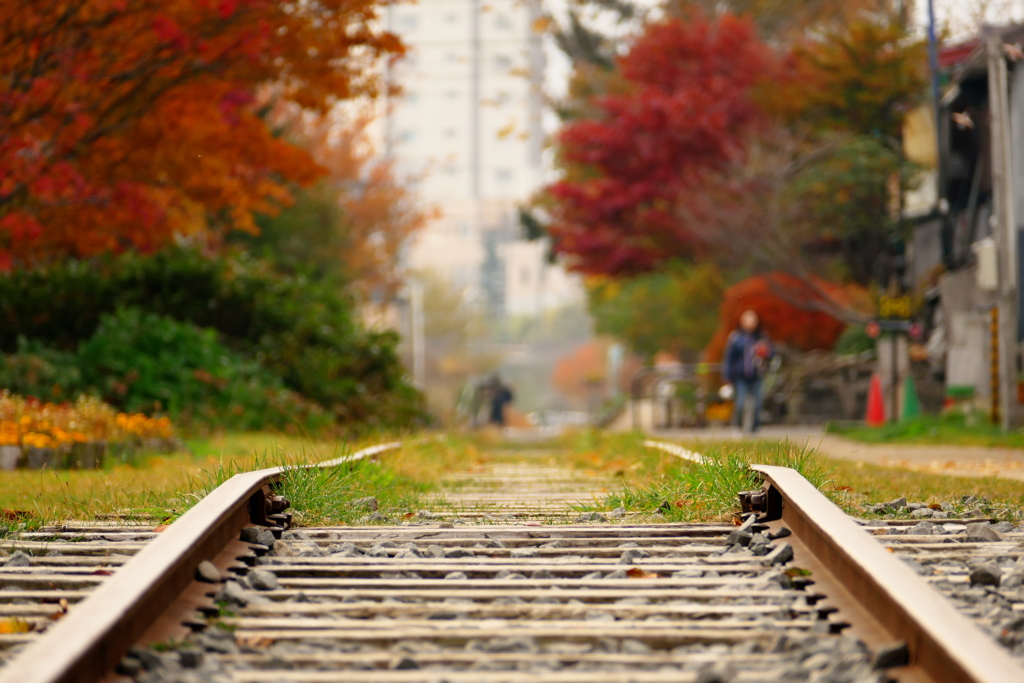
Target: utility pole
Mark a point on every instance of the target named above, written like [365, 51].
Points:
[419, 342]
[1004, 229]
[475, 58]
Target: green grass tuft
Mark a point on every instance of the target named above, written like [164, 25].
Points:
[710, 490]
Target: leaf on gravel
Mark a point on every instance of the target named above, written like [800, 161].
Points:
[102, 572]
[256, 642]
[14, 625]
[797, 571]
[934, 506]
[63, 610]
[161, 528]
[638, 573]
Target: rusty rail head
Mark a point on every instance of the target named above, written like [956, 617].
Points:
[98, 632]
[944, 643]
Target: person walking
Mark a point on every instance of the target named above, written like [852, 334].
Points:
[500, 396]
[746, 354]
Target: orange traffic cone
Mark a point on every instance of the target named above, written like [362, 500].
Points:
[876, 404]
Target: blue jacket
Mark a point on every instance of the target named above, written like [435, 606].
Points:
[741, 362]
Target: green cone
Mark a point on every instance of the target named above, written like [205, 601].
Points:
[911, 403]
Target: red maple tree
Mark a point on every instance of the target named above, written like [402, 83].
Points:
[127, 122]
[686, 106]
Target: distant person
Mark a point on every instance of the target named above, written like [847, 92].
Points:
[500, 396]
[746, 355]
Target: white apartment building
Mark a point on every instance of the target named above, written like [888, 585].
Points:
[469, 123]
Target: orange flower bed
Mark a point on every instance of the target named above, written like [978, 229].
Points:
[30, 423]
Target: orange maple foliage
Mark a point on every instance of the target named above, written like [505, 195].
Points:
[578, 374]
[787, 306]
[127, 122]
[379, 210]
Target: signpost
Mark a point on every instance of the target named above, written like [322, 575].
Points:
[895, 312]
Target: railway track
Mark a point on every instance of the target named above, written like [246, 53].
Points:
[501, 580]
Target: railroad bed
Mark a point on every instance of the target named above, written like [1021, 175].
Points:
[499, 579]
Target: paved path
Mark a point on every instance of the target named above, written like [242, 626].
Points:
[970, 461]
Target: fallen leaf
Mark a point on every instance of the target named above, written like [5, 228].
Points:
[638, 573]
[102, 572]
[409, 515]
[256, 642]
[14, 625]
[797, 571]
[60, 613]
[934, 506]
[14, 514]
[162, 527]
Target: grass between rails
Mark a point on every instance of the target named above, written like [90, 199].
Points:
[952, 430]
[162, 487]
[656, 482]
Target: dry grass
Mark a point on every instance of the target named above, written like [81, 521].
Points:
[865, 483]
[652, 480]
[161, 487]
[155, 486]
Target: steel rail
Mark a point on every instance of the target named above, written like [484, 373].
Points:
[943, 643]
[91, 640]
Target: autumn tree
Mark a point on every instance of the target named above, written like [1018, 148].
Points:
[352, 224]
[581, 375]
[688, 105]
[130, 121]
[711, 145]
[788, 309]
[673, 310]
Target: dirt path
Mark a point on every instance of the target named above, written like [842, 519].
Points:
[967, 461]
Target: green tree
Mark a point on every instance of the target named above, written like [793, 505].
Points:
[674, 310]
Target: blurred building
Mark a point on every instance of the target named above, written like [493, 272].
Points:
[967, 217]
[470, 125]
